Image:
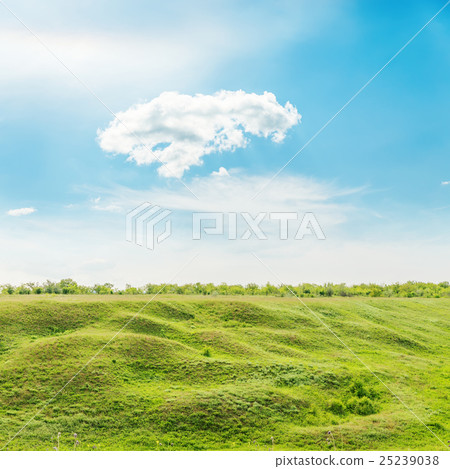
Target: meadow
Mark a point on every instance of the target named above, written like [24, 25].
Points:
[224, 373]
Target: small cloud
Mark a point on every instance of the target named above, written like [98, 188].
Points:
[445, 183]
[107, 208]
[18, 212]
[104, 207]
[222, 172]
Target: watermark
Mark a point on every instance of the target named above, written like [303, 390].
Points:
[148, 225]
[143, 225]
[244, 225]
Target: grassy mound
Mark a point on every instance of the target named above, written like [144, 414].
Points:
[223, 373]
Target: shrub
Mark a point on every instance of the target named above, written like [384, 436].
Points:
[336, 407]
[362, 406]
[358, 389]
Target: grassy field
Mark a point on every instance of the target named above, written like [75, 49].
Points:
[224, 373]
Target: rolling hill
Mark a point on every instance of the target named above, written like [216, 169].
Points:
[224, 373]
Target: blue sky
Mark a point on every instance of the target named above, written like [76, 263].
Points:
[377, 168]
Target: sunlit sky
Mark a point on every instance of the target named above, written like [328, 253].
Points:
[211, 85]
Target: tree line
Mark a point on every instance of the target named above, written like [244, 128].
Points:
[303, 290]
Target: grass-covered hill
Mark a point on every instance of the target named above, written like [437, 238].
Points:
[240, 373]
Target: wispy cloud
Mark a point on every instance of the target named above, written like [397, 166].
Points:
[232, 193]
[127, 60]
[180, 129]
[18, 212]
[108, 207]
[54, 249]
[445, 183]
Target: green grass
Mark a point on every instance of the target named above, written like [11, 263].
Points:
[224, 373]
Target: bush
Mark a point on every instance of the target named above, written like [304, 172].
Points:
[362, 406]
[358, 389]
[336, 407]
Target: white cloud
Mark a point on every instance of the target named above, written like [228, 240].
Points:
[180, 129]
[123, 59]
[445, 183]
[104, 207]
[107, 208]
[234, 193]
[356, 249]
[222, 172]
[18, 212]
